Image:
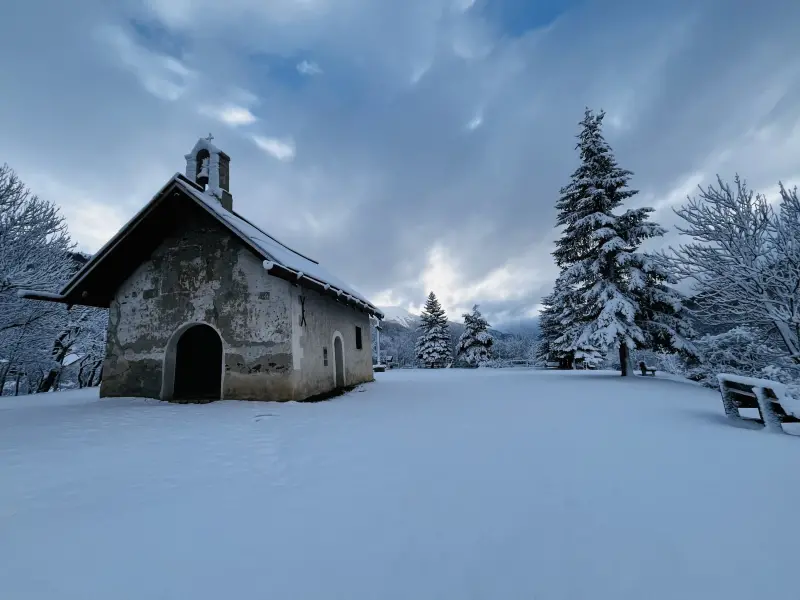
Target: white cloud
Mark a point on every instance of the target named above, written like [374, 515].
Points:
[385, 298]
[472, 40]
[677, 195]
[283, 150]
[230, 114]
[510, 281]
[475, 122]
[163, 76]
[242, 96]
[773, 193]
[307, 67]
[419, 72]
[463, 6]
[193, 13]
[91, 221]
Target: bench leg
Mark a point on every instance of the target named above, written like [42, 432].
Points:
[772, 421]
[729, 404]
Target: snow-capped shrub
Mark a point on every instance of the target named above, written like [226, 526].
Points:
[739, 351]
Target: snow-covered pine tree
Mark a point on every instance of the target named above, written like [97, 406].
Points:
[433, 343]
[570, 347]
[475, 344]
[551, 329]
[613, 296]
[663, 316]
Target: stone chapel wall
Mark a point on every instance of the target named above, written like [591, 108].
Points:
[201, 273]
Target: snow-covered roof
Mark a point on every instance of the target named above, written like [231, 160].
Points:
[278, 258]
[272, 249]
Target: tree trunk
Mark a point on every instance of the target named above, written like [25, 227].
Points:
[59, 353]
[625, 360]
[16, 383]
[789, 340]
[48, 382]
[80, 376]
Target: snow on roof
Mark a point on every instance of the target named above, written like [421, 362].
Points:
[273, 250]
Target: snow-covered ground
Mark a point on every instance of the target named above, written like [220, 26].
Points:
[486, 484]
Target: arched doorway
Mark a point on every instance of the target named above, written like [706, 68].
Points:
[338, 361]
[198, 365]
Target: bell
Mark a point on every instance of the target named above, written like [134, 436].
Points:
[202, 176]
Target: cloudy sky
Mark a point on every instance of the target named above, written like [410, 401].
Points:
[408, 145]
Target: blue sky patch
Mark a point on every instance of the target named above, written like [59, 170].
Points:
[516, 17]
[158, 38]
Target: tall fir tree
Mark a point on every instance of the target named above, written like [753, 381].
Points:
[613, 296]
[551, 329]
[433, 344]
[666, 320]
[475, 344]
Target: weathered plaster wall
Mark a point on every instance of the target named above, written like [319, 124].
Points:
[202, 274]
[324, 316]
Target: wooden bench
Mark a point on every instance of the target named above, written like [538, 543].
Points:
[647, 370]
[748, 392]
[552, 364]
[519, 362]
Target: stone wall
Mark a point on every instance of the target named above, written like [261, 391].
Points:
[201, 273]
[323, 318]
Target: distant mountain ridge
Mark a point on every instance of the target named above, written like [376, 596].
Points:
[399, 315]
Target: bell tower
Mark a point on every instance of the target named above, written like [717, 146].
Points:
[209, 167]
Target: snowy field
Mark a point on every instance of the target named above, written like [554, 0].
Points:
[491, 484]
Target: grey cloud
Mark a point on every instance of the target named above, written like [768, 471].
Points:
[383, 167]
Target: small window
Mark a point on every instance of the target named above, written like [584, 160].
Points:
[263, 295]
[358, 338]
[302, 316]
[325, 356]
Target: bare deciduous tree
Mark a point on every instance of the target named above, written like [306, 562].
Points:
[745, 258]
[34, 253]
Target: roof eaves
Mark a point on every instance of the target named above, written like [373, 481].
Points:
[37, 295]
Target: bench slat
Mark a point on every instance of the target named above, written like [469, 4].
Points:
[743, 396]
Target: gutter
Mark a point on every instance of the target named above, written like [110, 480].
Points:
[340, 294]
